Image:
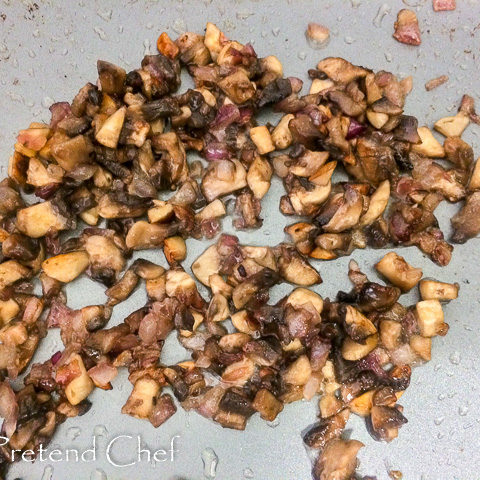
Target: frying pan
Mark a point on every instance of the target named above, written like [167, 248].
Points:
[48, 50]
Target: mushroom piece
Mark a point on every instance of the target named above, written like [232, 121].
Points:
[106, 259]
[384, 422]
[302, 296]
[377, 205]
[112, 78]
[299, 372]
[39, 219]
[223, 177]
[317, 34]
[466, 223]
[71, 152]
[161, 212]
[144, 235]
[81, 386]
[452, 126]
[429, 145]
[206, 265]
[258, 177]
[281, 136]
[175, 161]
[339, 70]
[398, 271]
[267, 405]
[434, 290]
[11, 271]
[121, 290]
[338, 460]
[140, 403]
[353, 351]
[430, 318]
[326, 430]
[294, 268]
[109, 132]
[357, 325]
[262, 139]
[175, 249]
[348, 213]
[66, 266]
[238, 87]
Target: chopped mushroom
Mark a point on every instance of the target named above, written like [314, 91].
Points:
[430, 318]
[466, 223]
[67, 266]
[434, 290]
[398, 271]
[338, 460]
[452, 126]
[317, 34]
[223, 177]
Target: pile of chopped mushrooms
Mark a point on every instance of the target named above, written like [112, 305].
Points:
[111, 174]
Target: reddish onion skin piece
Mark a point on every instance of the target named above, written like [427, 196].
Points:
[444, 5]
[59, 111]
[56, 357]
[226, 115]
[406, 28]
[355, 129]
[216, 151]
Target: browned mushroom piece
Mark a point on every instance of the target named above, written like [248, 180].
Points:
[338, 460]
[466, 223]
[384, 422]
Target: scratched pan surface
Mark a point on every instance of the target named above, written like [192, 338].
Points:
[49, 49]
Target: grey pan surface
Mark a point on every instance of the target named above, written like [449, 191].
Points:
[48, 50]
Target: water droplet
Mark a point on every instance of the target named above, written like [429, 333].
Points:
[100, 32]
[442, 396]
[388, 57]
[47, 473]
[383, 11]
[98, 475]
[463, 410]
[210, 462]
[414, 3]
[47, 101]
[120, 29]
[454, 358]
[276, 31]
[302, 55]
[248, 473]
[243, 15]
[73, 433]
[179, 26]
[440, 435]
[274, 423]
[146, 47]
[356, 3]
[348, 40]
[100, 431]
[106, 15]
[36, 33]
[439, 420]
